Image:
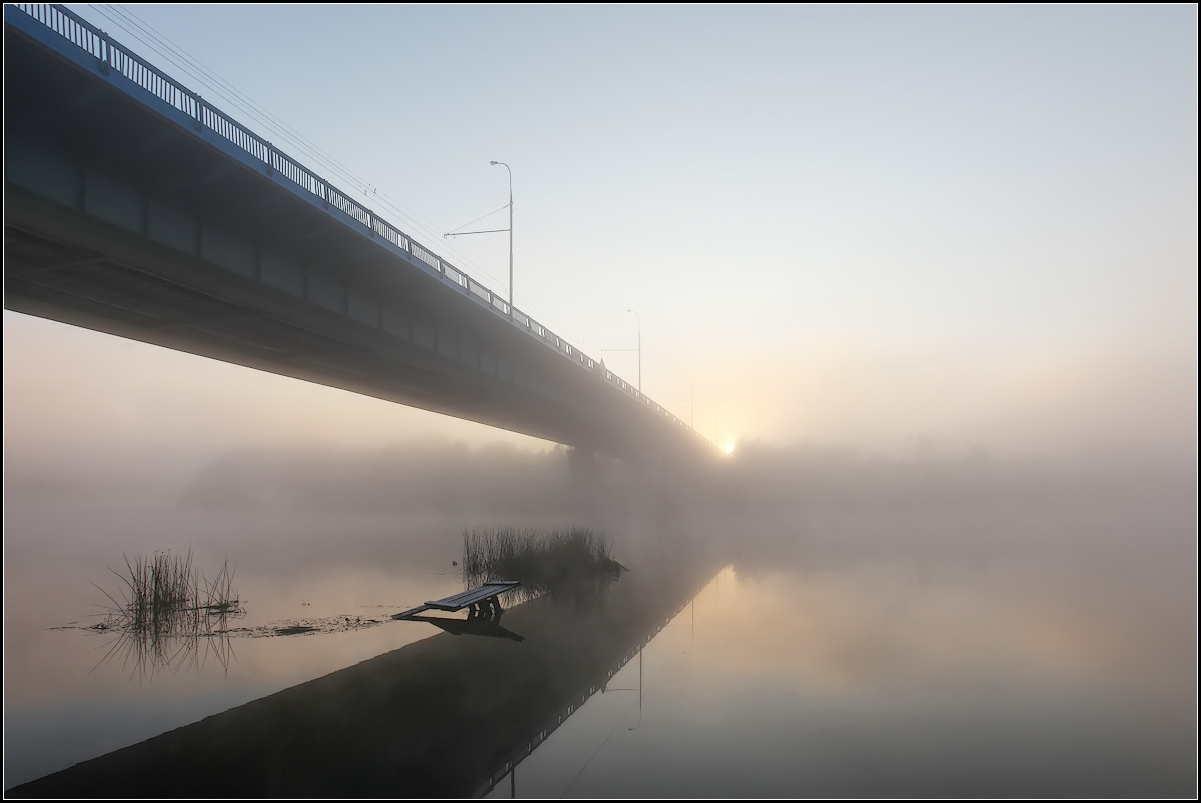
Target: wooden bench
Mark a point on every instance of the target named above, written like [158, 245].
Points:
[483, 601]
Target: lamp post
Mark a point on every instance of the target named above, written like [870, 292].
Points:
[639, 319]
[494, 231]
[510, 229]
[639, 350]
[691, 405]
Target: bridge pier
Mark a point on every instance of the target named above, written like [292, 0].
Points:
[588, 496]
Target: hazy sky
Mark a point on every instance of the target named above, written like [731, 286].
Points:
[838, 224]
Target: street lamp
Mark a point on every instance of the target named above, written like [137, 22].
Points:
[494, 231]
[639, 319]
[494, 164]
[639, 350]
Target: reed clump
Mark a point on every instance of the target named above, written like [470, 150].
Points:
[543, 560]
[168, 609]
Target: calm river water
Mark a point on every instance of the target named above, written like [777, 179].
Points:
[1050, 651]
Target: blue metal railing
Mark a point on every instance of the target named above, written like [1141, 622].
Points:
[113, 57]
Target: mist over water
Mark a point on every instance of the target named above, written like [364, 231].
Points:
[929, 274]
[890, 608]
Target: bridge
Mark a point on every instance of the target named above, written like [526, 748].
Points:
[135, 207]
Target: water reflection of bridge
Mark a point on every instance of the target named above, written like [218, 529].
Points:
[522, 751]
[446, 716]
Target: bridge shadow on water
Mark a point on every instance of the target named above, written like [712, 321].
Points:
[448, 716]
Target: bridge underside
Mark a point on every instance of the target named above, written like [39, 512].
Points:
[124, 220]
[69, 269]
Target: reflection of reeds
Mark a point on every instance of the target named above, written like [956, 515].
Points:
[559, 562]
[170, 614]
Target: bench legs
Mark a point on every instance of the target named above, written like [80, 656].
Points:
[488, 609]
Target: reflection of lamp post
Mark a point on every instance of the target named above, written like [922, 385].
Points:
[639, 725]
[639, 690]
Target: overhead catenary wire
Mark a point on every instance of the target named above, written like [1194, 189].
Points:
[176, 54]
[205, 73]
[148, 36]
[164, 47]
[478, 219]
